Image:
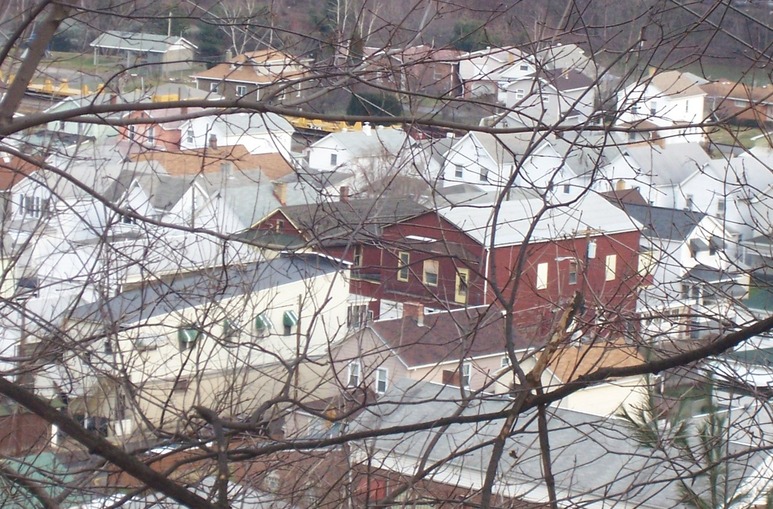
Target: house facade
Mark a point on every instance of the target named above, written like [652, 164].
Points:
[458, 256]
[670, 102]
[258, 75]
[177, 345]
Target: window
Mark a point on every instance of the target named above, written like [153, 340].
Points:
[610, 267]
[187, 337]
[333, 159]
[189, 135]
[721, 209]
[241, 90]
[430, 272]
[483, 174]
[298, 90]
[739, 102]
[263, 324]
[353, 378]
[688, 202]
[523, 67]
[214, 88]
[289, 321]
[567, 188]
[382, 381]
[462, 285]
[635, 108]
[572, 272]
[34, 206]
[466, 375]
[519, 94]
[229, 328]
[646, 262]
[357, 256]
[504, 362]
[356, 315]
[132, 132]
[542, 276]
[151, 136]
[459, 171]
[653, 108]
[404, 260]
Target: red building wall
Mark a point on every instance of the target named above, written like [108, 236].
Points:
[508, 280]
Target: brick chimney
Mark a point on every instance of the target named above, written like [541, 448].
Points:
[414, 310]
[280, 191]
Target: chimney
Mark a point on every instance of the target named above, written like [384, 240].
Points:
[344, 196]
[213, 141]
[450, 135]
[280, 191]
[414, 310]
[366, 128]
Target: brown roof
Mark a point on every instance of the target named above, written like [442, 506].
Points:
[577, 360]
[190, 162]
[14, 171]
[676, 84]
[447, 336]
[740, 91]
[253, 67]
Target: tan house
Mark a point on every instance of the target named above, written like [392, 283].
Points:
[176, 346]
[257, 75]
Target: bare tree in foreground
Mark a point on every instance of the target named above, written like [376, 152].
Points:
[531, 231]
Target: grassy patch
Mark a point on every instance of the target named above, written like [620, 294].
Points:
[734, 135]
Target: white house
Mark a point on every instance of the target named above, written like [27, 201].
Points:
[551, 97]
[687, 258]
[258, 133]
[365, 150]
[490, 70]
[670, 101]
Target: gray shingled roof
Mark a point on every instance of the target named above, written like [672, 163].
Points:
[595, 460]
[664, 223]
[362, 144]
[341, 222]
[196, 289]
[671, 164]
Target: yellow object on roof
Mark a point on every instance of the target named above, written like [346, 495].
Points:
[323, 125]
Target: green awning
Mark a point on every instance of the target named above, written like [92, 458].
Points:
[290, 319]
[263, 323]
[188, 335]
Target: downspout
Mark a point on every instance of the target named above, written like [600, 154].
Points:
[486, 275]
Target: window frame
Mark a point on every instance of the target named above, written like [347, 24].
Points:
[241, 90]
[382, 380]
[465, 375]
[610, 267]
[458, 171]
[187, 343]
[354, 374]
[434, 276]
[573, 270]
[543, 273]
[403, 265]
[462, 276]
